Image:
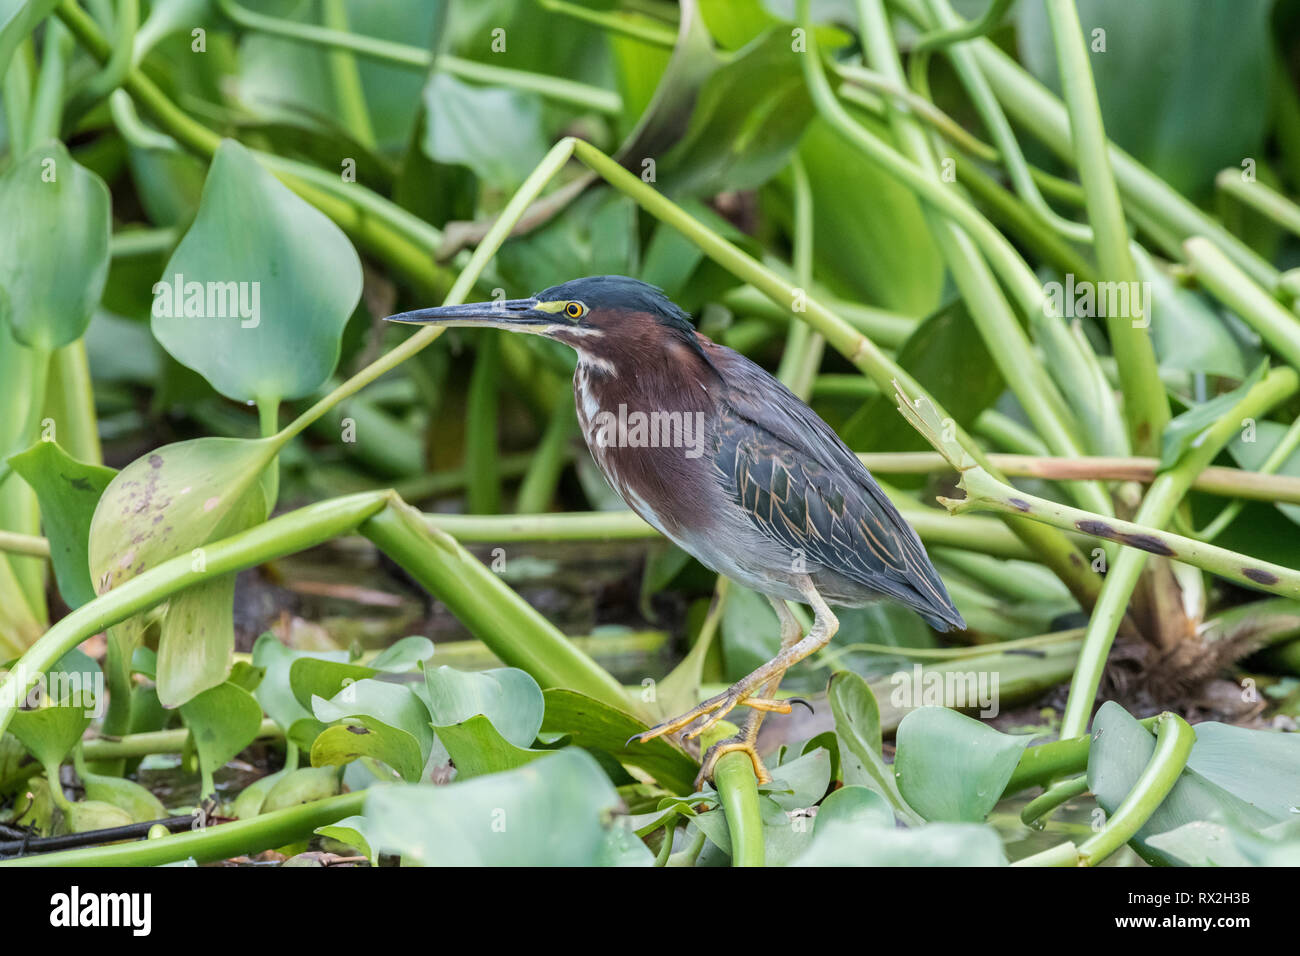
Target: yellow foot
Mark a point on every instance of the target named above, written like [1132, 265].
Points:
[732, 744]
[703, 716]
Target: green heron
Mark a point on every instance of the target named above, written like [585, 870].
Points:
[729, 464]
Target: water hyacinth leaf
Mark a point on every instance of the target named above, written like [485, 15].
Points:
[1199, 843]
[1181, 433]
[856, 807]
[68, 491]
[125, 794]
[1180, 113]
[495, 132]
[1187, 331]
[244, 300]
[945, 354]
[69, 698]
[839, 842]
[372, 718]
[801, 782]
[871, 242]
[1261, 767]
[196, 640]
[596, 726]
[1251, 456]
[1121, 749]
[476, 748]
[404, 655]
[747, 120]
[222, 720]
[54, 247]
[304, 785]
[173, 501]
[953, 768]
[553, 812]
[350, 831]
[323, 676]
[509, 698]
[274, 692]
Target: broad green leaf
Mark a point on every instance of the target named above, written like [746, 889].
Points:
[855, 807]
[351, 831]
[68, 491]
[838, 842]
[170, 502]
[376, 719]
[857, 725]
[870, 240]
[86, 815]
[274, 692]
[509, 698]
[256, 295]
[946, 354]
[1261, 767]
[304, 785]
[553, 812]
[53, 248]
[751, 634]
[222, 720]
[496, 132]
[1182, 432]
[476, 748]
[319, 675]
[951, 767]
[1179, 112]
[137, 801]
[1121, 748]
[68, 698]
[1188, 332]
[746, 122]
[596, 726]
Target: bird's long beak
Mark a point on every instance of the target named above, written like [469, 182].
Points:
[515, 315]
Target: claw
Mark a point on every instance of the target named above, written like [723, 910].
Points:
[800, 700]
[730, 745]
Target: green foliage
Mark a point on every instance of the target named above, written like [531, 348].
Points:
[243, 300]
[54, 249]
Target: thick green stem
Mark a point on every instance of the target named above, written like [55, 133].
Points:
[1277, 325]
[737, 787]
[1174, 739]
[957, 234]
[1145, 406]
[263, 832]
[286, 534]
[496, 615]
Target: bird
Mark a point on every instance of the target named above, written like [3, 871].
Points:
[729, 464]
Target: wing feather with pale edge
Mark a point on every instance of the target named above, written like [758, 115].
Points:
[802, 487]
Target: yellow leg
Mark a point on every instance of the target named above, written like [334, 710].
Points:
[755, 690]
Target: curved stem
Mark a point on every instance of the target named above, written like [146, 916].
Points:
[283, 535]
[1174, 739]
[1052, 798]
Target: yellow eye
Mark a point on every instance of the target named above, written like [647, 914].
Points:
[573, 310]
